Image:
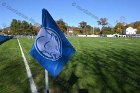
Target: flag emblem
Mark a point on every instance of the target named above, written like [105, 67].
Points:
[48, 44]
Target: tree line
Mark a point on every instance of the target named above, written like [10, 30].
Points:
[18, 27]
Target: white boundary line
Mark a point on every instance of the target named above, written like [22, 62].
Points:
[29, 74]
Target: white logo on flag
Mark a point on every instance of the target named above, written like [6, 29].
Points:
[48, 44]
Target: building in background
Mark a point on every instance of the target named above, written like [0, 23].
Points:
[130, 31]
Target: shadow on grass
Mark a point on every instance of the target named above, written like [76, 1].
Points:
[103, 71]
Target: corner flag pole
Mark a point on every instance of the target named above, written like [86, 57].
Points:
[47, 81]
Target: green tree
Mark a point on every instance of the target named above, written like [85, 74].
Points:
[35, 29]
[25, 27]
[31, 31]
[83, 27]
[62, 25]
[0, 29]
[108, 30]
[18, 27]
[89, 30]
[103, 22]
[13, 26]
[137, 26]
[96, 30]
[119, 28]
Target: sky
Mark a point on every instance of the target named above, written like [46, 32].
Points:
[71, 11]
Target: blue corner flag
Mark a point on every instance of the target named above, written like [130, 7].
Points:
[51, 48]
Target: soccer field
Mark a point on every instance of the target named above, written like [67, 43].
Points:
[101, 65]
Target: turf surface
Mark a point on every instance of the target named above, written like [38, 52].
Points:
[101, 65]
[13, 78]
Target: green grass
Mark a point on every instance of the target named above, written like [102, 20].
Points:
[36, 69]
[13, 78]
[101, 65]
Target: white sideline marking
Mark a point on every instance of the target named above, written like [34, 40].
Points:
[29, 74]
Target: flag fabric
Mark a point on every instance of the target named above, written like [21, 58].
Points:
[51, 48]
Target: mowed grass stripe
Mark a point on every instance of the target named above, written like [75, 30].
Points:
[13, 78]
